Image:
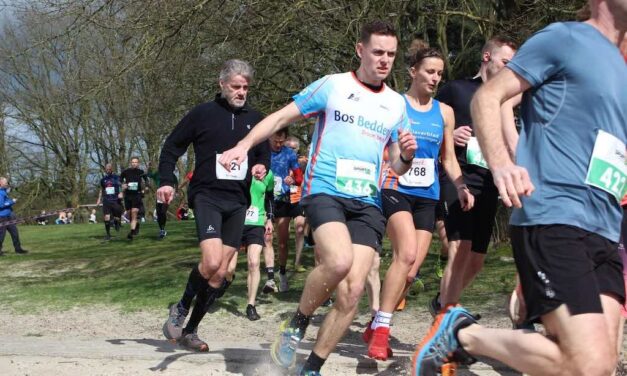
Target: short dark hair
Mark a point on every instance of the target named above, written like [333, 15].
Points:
[377, 27]
[282, 132]
[498, 41]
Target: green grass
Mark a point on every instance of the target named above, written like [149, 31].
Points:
[71, 266]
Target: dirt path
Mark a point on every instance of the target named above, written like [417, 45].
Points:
[104, 341]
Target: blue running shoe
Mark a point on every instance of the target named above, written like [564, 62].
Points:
[284, 348]
[301, 372]
[440, 346]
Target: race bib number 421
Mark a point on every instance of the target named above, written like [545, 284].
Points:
[607, 169]
[235, 172]
[356, 178]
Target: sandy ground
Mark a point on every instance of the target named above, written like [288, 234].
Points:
[105, 341]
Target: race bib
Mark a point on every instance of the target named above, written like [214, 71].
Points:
[356, 178]
[473, 153]
[421, 173]
[252, 214]
[278, 186]
[110, 190]
[235, 172]
[133, 186]
[607, 169]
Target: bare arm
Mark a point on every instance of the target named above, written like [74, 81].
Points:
[449, 160]
[509, 125]
[511, 180]
[261, 132]
[401, 153]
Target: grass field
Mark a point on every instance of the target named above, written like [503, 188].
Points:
[71, 266]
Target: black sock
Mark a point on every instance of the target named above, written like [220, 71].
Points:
[300, 321]
[162, 212]
[313, 363]
[199, 311]
[282, 269]
[212, 295]
[136, 231]
[270, 272]
[195, 283]
[225, 285]
[108, 227]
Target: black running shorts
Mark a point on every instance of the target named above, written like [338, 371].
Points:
[562, 264]
[132, 201]
[365, 222]
[253, 235]
[113, 208]
[475, 225]
[284, 209]
[219, 219]
[421, 209]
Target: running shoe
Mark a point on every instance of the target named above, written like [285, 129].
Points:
[116, 225]
[191, 341]
[434, 305]
[107, 238]
[309, 373]
[269, 287]
[327, 303]
[379, 345]
[449, 369]
[300, 269]
[21, 251]
[439, 267]
[162, 234]
[284, 348]
[130, 235]
[173, 327]
[401, 305]
[440, 346]
[368, 332]
[251, 313]
[283, 285]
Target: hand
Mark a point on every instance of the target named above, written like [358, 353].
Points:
[269, 227]
[512, 182]
[124, 186]
[289, 180]
[120, 195]
[407, 144]
[238, 154]
[165, 194]
[461, 135]
[466, 199]
[258, 171]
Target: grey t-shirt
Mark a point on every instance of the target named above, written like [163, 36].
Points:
[579, 88]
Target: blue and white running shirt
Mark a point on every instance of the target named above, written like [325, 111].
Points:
[354, 125]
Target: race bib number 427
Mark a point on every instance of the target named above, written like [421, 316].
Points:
[607, 169]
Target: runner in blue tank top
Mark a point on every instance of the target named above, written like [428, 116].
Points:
[409, 201]
[356, 115]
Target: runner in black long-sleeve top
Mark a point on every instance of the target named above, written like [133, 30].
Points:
[219, 197]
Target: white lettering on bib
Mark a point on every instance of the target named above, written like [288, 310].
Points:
[234, 173]
[356, 178]
[607, 169]
[132, 186]
[473, 153]
[110, 190]
[421, 173]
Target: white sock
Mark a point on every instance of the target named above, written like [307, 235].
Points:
[381, 319]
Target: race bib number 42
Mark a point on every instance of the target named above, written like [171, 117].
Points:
[473, 153]
[607, 169]
[356, 178]
[235, 172]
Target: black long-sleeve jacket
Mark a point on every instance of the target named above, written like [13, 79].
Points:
[213, 128]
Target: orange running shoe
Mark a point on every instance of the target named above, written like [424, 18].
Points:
[401, 305]
[449, 369]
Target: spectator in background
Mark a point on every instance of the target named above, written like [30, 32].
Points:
[92, 216]
[6, 214]
[61, 219]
